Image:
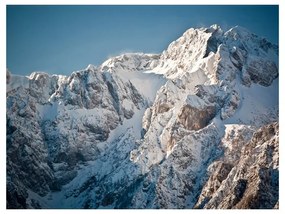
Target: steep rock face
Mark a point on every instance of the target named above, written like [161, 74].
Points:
[231, 104]
[253, 181]
[55, 122]
[209, 83]
[262, 71]
[149, 131]
[26, 152]
[175, 181]
[253, 56]
[182, 54]
[194, 117]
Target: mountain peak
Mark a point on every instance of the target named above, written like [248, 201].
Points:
[239, 32]
[214, 28]
[91, 67]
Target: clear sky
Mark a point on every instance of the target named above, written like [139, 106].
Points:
[63, 39]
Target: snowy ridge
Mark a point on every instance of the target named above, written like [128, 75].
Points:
[137, 68]
[169, 130]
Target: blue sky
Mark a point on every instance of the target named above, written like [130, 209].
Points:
[62, 39]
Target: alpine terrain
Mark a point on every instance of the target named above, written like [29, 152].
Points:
[193, 127]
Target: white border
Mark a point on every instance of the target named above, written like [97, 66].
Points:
[3, 4]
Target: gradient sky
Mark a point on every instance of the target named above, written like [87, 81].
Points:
[63, 39]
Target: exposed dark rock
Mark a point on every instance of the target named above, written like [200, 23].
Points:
[214, 41]
[253, 183]
[16, 195]
[214, 182]
[8, 76]
[238, 57]
[193, 118]
[262, 72]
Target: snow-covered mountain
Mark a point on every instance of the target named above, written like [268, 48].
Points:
[193, 127]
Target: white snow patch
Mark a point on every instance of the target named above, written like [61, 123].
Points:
[127, 104]
[134, 123]
[147, 82]
[256, 104]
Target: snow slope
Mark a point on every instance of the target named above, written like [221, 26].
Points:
[259, 105]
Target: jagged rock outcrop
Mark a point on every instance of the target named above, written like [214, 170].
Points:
[231, 104]
[55, 122]
[195, 117]
[253, 181]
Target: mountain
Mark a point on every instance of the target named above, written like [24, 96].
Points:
[193, 127]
